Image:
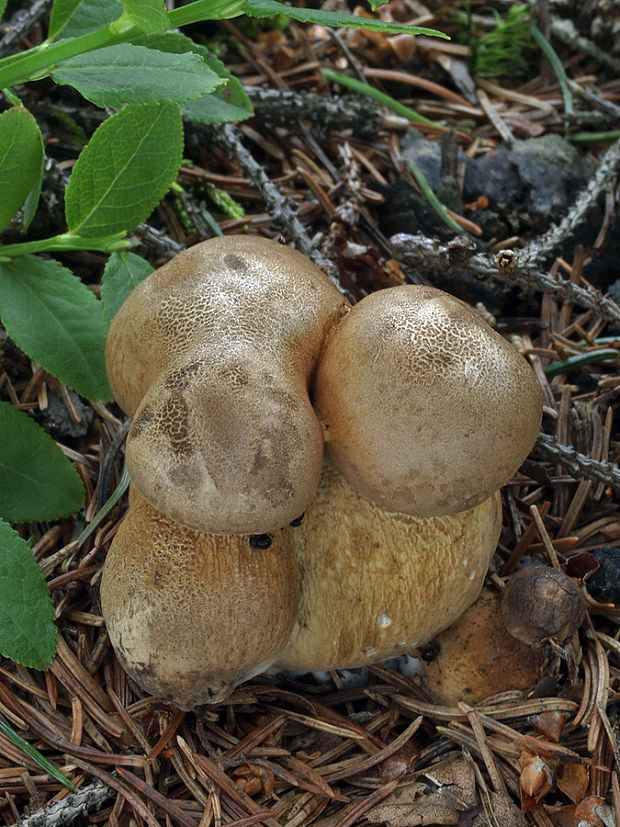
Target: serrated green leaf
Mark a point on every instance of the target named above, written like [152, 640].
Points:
[57, 321]
[21, 162]
[147, 15]
[122, 74]
[27, 631]
[37, 481]
[123, 272]
[72, 18]
[267, 8]
[126, 168]
[2, 7]
[227, 104]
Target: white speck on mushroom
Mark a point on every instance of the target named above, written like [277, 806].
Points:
[465, 559]
[369, 650]
[384, 620]
[472, 574]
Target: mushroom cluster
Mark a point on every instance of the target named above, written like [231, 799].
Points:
[258, 395]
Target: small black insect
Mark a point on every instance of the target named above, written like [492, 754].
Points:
[260, 541]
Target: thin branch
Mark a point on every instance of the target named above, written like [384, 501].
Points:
[283, 210]
[542, 248]
[429, 256]
[21, 23]
[577, 464]
[361, 114]
[85, 801]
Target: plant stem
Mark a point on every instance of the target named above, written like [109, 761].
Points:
[432, 199]
[556, 64]
[370, 91]
[66, 241]
[205, 10]
[36, 63]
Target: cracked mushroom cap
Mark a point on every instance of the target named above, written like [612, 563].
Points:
[191, 615]
[426, 409]
[212, 355]
[375, 583]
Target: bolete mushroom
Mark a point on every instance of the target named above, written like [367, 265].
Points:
[191, 615]
[376, 584]
[211, 355]
[426, 409]
[477, 657]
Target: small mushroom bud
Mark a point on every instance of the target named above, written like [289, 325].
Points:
[541, 603]
[477, 658]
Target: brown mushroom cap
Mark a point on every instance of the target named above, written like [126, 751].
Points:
[212, 355]
[427, 409]
[376, 584]
[191, 615]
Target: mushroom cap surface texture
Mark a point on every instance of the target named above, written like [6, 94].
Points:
[191, 615]
[376, 584]
[427, 410]
[212, 355]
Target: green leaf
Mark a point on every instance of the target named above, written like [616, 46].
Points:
[147, 15]
[21, 162]
[126, 168]
[72, 18]
[36, 756]
[376, 4]
[122, 74]
[227, 104]
[57, 321]
[266, 8]
[27, 630]
[2, 7]
[37, 481]
[123, 272]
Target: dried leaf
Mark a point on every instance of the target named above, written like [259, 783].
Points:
[573, 780]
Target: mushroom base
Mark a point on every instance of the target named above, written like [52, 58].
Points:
[374, 583]
[191, 615]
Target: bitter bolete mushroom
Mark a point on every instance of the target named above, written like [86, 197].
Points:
[478, 658]
[426, 409]
[191, 615]
[211, 355]
[376, 584]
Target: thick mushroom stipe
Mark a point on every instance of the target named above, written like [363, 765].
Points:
[427, 410]
[376, 584]
[212, 355]
[191, 615]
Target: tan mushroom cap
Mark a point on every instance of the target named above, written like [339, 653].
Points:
[427, 409]
[212, 355]
[376, 584]
[192, 615]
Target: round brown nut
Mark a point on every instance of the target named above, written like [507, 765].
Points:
[541, 603]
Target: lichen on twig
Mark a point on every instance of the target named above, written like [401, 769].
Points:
[85, 801]
[578, 464]
[459, 254]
